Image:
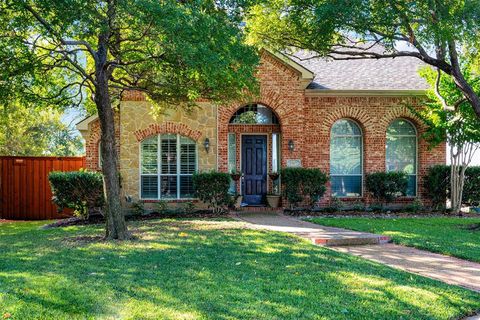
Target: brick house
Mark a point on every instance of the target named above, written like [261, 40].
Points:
[348, 118]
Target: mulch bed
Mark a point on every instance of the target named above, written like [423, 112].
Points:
[363, 214]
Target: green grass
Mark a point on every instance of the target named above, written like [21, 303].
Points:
[446, 235]
[205, 269]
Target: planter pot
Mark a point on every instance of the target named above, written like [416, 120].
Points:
[273, 201]
[235, 176]
[273, 175]
[238, 202]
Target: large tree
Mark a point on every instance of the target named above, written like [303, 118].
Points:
[450, 117]
[437, 32]
[33, 131]
[173, 51]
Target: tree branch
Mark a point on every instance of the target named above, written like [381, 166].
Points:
[49, 28]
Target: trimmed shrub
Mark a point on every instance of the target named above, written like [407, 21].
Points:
[386, 186]
[437, 185]
[79, 190]
[471, 189]
[303, 182]
[212, 188]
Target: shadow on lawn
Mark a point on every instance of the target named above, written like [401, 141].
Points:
[182, 269]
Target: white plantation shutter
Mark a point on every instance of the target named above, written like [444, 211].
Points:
[167, 163]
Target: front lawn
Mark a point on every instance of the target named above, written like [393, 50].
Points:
[205, 269]
[446, 235]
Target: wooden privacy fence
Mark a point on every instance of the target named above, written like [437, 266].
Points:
[25, 192]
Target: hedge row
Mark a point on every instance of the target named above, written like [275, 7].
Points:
[437, 184]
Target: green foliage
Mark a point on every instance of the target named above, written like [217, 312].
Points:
[34, 131]
[471, 190]
[457, 126]
[79, 190]
[138, 208]
[414, 207]
[419, 29]
[197, 45]
[212, 188]
[303, 182]
[386, 186]
[161, 206]
[437, 184]
[358, 206]
[188, 207]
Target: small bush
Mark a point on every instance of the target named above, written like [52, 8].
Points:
[471, 189]
[79, 190]
[188, 207]
[303, 182]
[437, 184]
[212, 188]
[386, 186]
[161, 206]
[358, 206]
[138, 208]
[414, 207]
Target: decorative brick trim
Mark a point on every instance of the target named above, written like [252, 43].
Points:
[133, 95]
[92, 143]
[400, 112]
[361, 116]
[167, 127]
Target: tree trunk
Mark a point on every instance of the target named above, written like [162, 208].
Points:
[116, 227]
[454, 180]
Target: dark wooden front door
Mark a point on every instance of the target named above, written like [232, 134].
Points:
[254, 168]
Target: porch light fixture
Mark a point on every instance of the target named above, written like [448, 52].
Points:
[291, 145]
[206, 144]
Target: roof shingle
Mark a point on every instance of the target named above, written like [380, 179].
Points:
[400, 73]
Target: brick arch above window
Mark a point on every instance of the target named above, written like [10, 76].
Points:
[167, 127]
[400, 113]
[360, 116]
[268, 98]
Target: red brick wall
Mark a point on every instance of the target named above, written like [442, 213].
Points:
[93, 140]
[307, 121]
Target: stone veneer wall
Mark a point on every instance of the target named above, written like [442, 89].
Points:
[138, 123]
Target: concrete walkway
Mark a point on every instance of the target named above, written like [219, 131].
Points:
[436, 266]
[321, 235]
[447, 269]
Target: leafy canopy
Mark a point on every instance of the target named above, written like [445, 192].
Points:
[175, 52]
[443, 34]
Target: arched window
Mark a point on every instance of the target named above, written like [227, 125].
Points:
[346, 159]
[401, 154]
[167, 162]
[254, 114]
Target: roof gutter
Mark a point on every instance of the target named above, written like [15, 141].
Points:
[363, 93]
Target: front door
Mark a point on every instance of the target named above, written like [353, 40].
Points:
[254, 168]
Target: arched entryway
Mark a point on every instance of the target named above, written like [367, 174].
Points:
[254, 144]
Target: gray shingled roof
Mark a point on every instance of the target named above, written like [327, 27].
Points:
[399, 73]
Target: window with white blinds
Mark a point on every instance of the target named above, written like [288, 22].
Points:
[167, 163]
